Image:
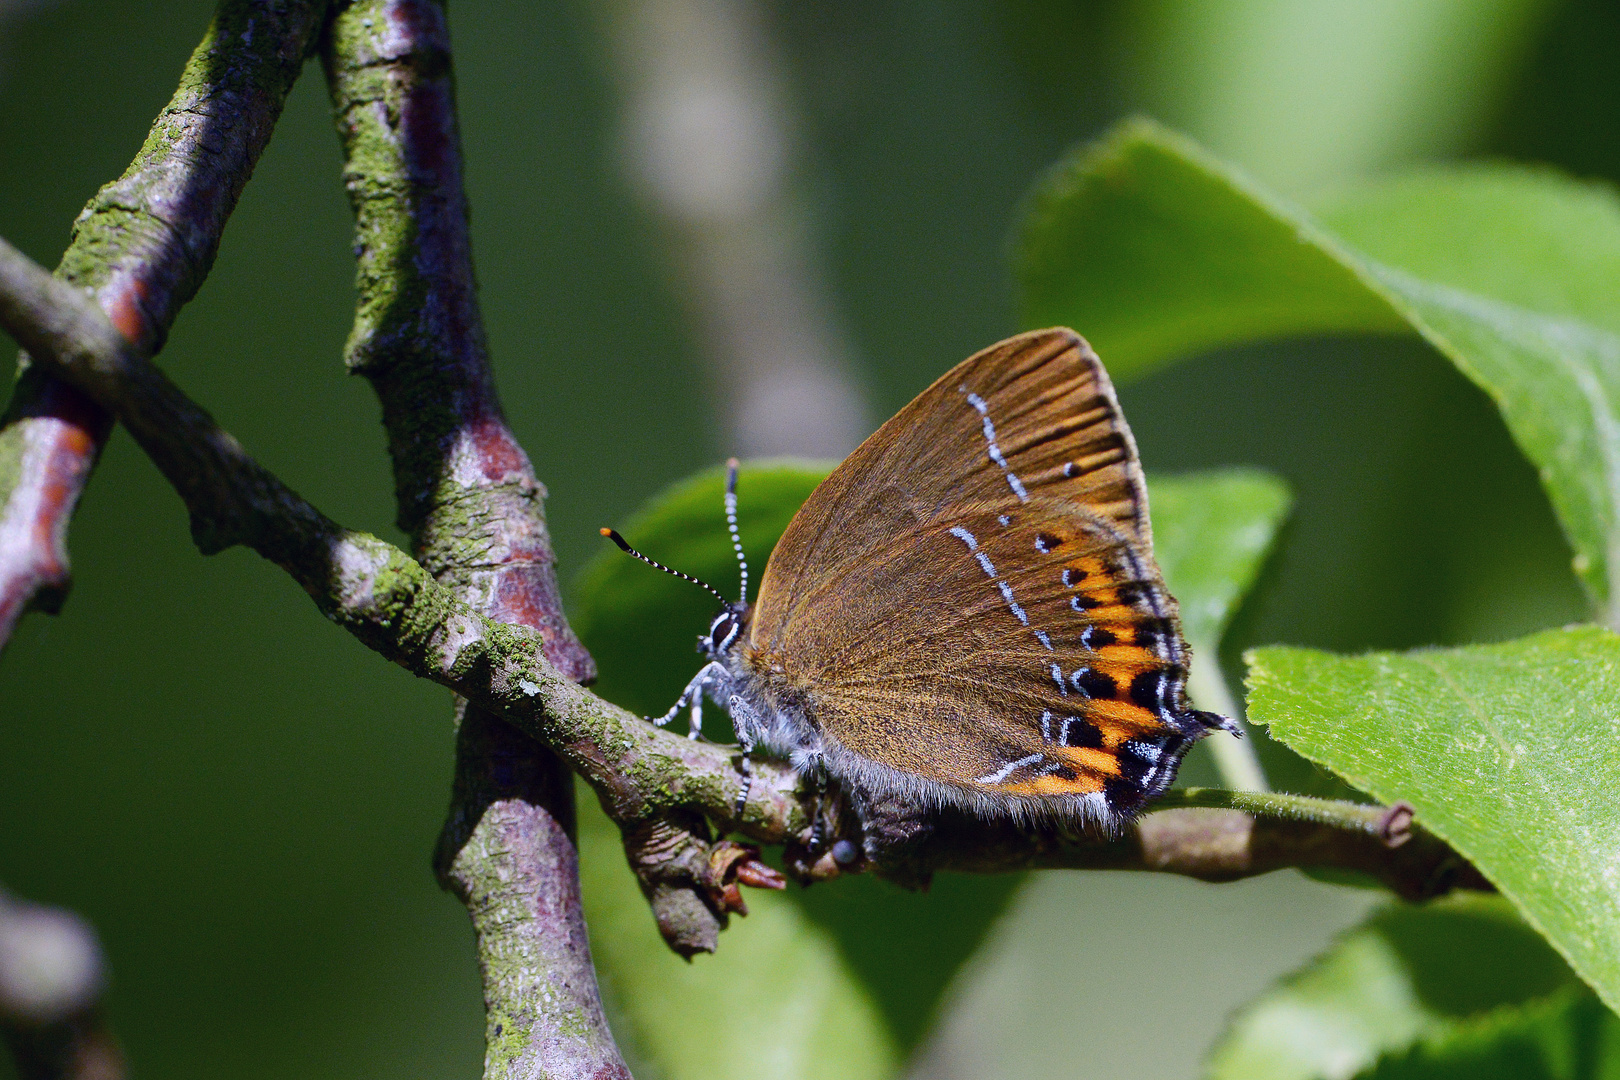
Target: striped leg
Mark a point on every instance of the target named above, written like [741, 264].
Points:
[746, 722]
[693, 696]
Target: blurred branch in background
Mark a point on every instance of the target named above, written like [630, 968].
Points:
[142, 247]
[709, 137]
[52, 976]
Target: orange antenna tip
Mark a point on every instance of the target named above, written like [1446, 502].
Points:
[607, 532]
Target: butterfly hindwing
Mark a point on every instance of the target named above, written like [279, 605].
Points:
[1008, 654]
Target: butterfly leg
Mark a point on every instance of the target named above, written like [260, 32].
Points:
[744, 720]
[818, 788]
[694, 723]
[692, 695]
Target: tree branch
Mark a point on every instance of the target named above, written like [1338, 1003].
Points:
[646, 777]
[142, 247]
[51, 979]
[469, 499]
[1201, 833]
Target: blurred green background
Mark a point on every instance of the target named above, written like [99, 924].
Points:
[243, 800]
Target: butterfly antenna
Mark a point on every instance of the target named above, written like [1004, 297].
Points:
[613, 535]
[731, 523]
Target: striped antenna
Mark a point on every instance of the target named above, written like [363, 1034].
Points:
[613, 535]
[731, 523]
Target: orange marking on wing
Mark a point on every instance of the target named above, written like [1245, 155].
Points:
[1088, 760]
[1110, 611]
[1121, 720]
[1122, 663]
[1082, 784]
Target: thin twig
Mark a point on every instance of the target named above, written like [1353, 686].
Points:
[1387, 823]
[143, 246]
[1212, 845]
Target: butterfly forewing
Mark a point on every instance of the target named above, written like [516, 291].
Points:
[1035, 414]
[971, 599]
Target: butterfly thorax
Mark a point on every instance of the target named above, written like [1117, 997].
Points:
[774, 711]
[771, 704]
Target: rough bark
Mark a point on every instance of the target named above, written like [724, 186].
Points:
[473, 507]
[142, 246]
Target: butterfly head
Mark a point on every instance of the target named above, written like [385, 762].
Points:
[724, 631]
[727, 627]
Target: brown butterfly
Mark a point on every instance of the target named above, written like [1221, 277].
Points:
[967, 612]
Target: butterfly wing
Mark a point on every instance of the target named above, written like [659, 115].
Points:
[1035, 414]
[969, 607]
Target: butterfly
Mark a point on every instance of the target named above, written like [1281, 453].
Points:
[966, 613]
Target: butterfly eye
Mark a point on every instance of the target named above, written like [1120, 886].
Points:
[723, 631]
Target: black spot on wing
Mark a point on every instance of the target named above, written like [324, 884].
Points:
[1094, 684]
[1151, 634]
[1147, 768]
[1080, 732]
[1137, 759]
[1147, 689]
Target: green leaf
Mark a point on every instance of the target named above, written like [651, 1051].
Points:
[1156, 251]
[1566, 1036]
[1552, 244]
[871, 959]
[1405, 974]
[1507, 751]
[1211, 534]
